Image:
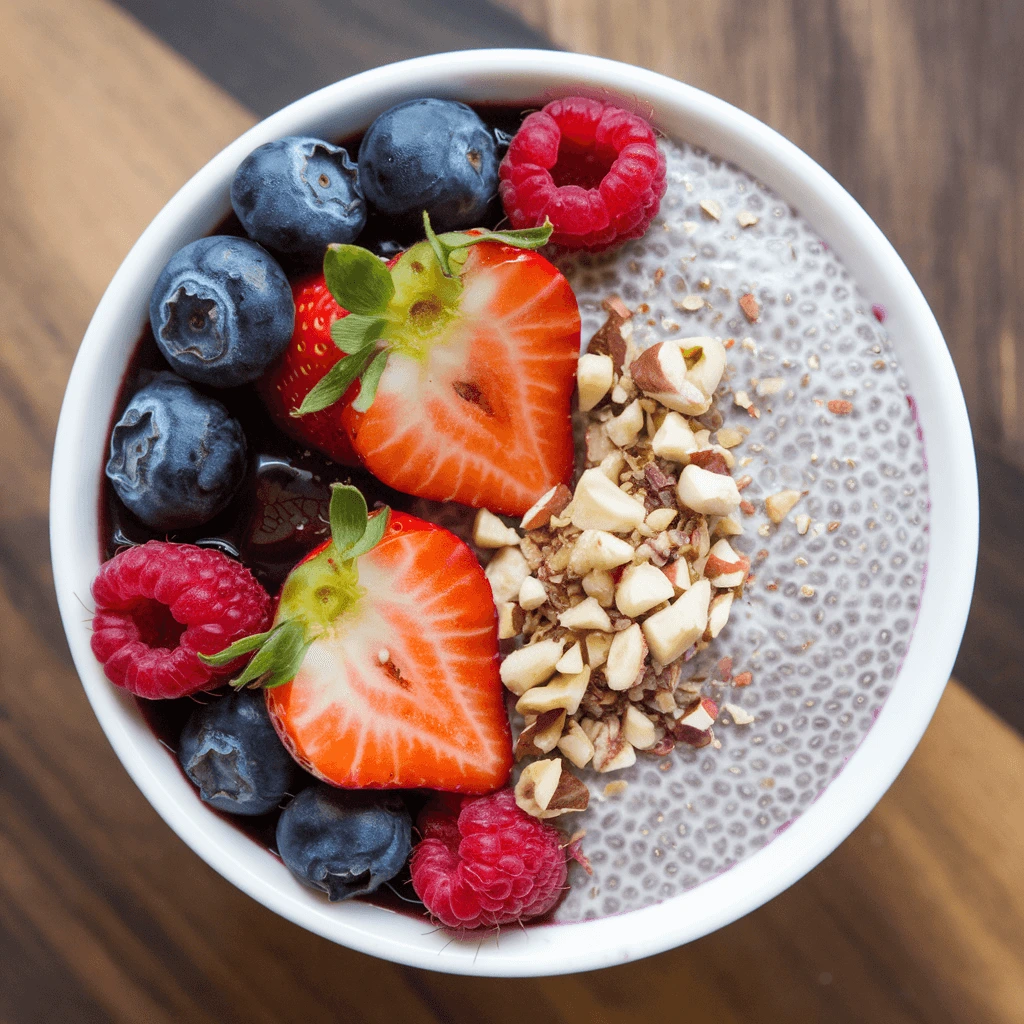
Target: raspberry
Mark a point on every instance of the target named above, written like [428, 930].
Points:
[486, 863]
[158, 605]
[595, 170]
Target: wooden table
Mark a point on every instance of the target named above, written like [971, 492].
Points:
[106, 916]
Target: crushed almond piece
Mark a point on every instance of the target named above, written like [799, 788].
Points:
[778, 506]
[770, 386]
[691, 303]
[801, 561]
[813, 362]
[743, 679]
[807, 590]
[712, 208]
[746, 219]
[803, 521]
[750, 307]
[833, 526]
[840, 407]
[740, 716]
[742, 399]
[747, 508]
[729, 438]
[615, 788]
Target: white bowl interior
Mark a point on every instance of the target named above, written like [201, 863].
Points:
[524, 77]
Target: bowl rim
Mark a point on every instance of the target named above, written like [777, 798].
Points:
[874, 263]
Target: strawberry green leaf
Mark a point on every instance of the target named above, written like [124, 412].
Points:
[278, 660]
[355, 332]
[334, 383]
[246, 645]
[373, 533]
[454, 241]
[369, 381]
[348, 517]
[357, 279]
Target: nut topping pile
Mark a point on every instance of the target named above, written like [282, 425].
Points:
[613, 587]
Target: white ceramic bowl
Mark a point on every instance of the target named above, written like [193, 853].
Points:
[521, 77]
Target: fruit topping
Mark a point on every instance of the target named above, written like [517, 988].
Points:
[221, 311]
[467, 352]
[176, 457]
[382, 664]
[591, 168]
[230, 750]
[484, 863]
[434, 155]
[304, 362]
[344, 844]
[296, 195]
[160, 605]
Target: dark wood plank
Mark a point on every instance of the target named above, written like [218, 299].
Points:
[267, 54]
[105, 915]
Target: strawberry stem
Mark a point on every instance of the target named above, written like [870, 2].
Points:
[451, 242]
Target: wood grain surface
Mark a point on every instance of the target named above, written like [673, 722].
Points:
[106, 916]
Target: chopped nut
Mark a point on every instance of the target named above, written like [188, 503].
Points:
[729, 438]
[546, 791]
[625, 428]
[593, 379]
[506, 572]
[778, 506]
[803, 522]
[490, 532]
[661, 519]
[598, 549]
[691, 303]
[532, 594]
[813, 362]
[660, 372]
[626, 658]
[807, 590]
[638, 729]
[510, 620]
[833, 526]
[572, 661]
[739, 715]
[541, 735]
[674, 439]
[599, 505]
[576, 745]
[712, 208]
[839, 407]
[531, 665]
[728, 526]
[770, 386]
[600, 585]
[724, 567]
[750, 307]
[612, 465]
[709, 367]
[718, 613]
[587, 614]
[665, 702]
[610, 337]
[678, 574]
[743, 679]
[613, 789]
[675, 628]
[552, 503]
[612, 752]
[640, 588]
[598, 645]
[562, 692]
[742, 399]
[706, 492]
[700, 715]
[746, 219]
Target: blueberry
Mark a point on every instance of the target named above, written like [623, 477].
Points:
[229, 749]
[297, 195]
[433, 155]
[176, 456]
[222, 311]
[344, 842]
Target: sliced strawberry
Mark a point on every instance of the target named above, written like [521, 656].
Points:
[309, 355]
[467, 352]
[382, 667]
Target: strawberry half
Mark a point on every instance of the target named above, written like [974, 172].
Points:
[381, 667]
[308, 357]
[466, 349]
